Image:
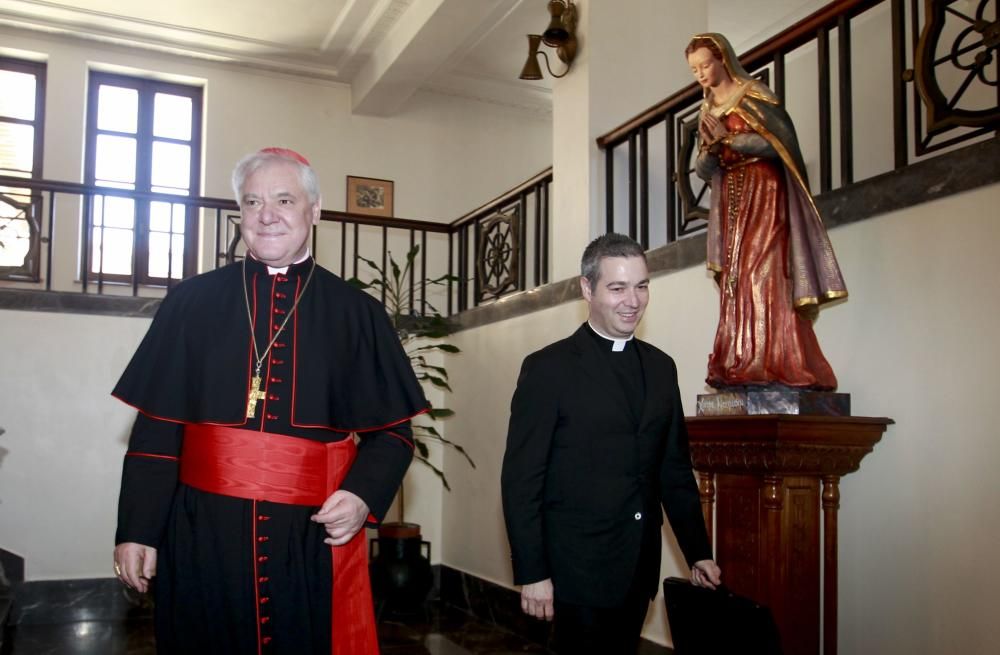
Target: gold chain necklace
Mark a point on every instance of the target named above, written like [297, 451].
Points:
[256, 394]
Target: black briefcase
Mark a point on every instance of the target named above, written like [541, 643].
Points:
[710, 622]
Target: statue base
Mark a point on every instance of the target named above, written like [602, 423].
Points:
[746, 402]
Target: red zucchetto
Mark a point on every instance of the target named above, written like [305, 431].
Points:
[287, 152]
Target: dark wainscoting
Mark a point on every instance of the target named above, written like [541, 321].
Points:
[113, 616]
[11, 573]
[500, 606]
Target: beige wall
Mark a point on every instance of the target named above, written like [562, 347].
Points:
[915, 342]
[613, 79]
[62, 452]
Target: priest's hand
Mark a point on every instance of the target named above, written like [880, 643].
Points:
[537, 599]
[342, 515]
[706, 573]
[135, 565]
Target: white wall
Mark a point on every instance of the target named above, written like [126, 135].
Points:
[65, 439]
[919, 523]
[612, 80]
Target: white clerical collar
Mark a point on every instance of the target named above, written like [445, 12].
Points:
[617, 345]
[284, 269]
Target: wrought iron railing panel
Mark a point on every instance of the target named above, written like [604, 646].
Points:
[955, 73]
[499, 266]
[502, 247]
[21, 214]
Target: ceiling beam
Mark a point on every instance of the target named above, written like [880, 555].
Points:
[425, 39]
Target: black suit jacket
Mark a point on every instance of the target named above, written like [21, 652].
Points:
[582, 481]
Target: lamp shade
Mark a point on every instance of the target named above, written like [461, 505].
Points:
[531, 70]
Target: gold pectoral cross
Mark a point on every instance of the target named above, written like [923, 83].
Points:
[255, 395]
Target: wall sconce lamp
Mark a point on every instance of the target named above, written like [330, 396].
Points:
[560, 34]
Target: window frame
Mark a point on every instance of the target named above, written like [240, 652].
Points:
[30, 271]
[147, 88]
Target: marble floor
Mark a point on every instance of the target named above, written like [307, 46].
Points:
[102, 621]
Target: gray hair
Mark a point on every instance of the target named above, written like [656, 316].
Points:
[609, 245]
[257, 160]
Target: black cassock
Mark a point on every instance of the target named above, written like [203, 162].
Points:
[239, 576]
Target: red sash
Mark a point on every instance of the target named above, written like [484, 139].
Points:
[282, 469]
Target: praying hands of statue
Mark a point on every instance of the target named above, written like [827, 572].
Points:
[711, 131]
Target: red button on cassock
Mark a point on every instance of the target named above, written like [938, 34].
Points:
[263, 517]
[263, 539]
[262, 558]
[277, 380]
[264, 600]
[272, 417]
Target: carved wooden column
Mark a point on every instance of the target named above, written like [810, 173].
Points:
[706, 489]
[768, 477]
[831, 503]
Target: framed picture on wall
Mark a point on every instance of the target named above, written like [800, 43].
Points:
[368, 195]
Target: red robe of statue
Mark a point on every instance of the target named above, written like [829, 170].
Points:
[761, 338]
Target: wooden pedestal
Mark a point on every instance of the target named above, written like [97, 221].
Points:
[767, 477]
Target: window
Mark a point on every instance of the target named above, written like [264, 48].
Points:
[142, 136]
[22, 102]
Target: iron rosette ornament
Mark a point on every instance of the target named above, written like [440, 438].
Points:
[955, 67]
[499, 254]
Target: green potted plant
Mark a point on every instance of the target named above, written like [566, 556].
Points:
[401, 573]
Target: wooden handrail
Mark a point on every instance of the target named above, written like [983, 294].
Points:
[502, 198]
[380, 221]
[76, 188]
[798, 34]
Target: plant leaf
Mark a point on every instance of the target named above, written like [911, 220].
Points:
[438, 472]
[435, 436]
[446, 347]
[435, 380]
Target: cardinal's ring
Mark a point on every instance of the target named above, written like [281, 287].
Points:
[118, 569]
